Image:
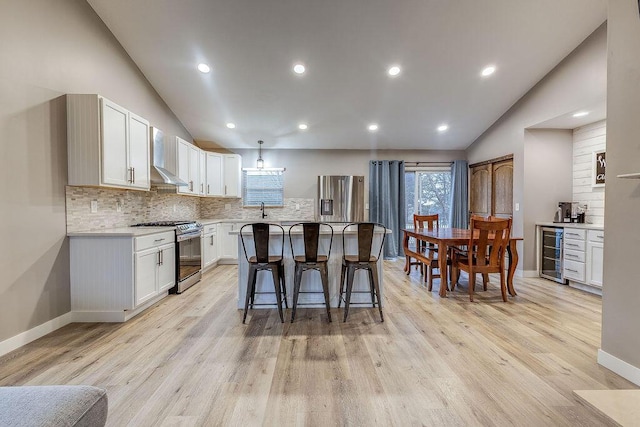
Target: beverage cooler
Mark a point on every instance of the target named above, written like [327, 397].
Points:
[551, 253]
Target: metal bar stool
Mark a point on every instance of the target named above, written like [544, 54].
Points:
[311, 260]
[364, 260]
[262, 261]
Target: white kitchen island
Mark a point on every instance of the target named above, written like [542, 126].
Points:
[310, 279]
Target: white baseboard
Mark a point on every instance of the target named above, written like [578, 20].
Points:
[526, 273]
[619, 366]
[33, 334]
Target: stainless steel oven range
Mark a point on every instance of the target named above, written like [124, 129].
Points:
[188, 253]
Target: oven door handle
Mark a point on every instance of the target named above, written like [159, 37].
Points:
[188, 236]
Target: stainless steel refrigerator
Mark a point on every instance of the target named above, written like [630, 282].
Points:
[340, 198]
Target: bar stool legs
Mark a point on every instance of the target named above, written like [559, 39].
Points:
[374, 286]
[251, 288]
[301, 268]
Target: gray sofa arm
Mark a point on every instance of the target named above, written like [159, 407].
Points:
[60, 405]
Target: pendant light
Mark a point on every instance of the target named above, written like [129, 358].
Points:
[260, 161]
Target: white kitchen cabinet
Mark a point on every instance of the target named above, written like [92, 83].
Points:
[595, 257]
[228, 244]
[209, 245]
[202, 172]
[232, 175]
[574, 267]
[154, 272]
[214, 175]
[188, 162]
[107, 145]
[114, 278]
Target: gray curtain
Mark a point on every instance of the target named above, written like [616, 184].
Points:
[386, 201]
[459, 194]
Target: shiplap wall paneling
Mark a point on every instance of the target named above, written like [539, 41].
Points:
[586, 140]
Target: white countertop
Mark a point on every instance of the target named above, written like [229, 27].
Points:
[337, 231]
[571, 225]
[121, 232]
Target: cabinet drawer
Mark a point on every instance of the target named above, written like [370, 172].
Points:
[574, 233]
[596, 235]
[572, 255]
[576, 245]
[211, 228]
[574, 270]
[151, 240]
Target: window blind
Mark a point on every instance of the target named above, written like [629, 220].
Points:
[263, 185]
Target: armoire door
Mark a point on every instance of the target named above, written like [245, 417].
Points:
[502, 190]
[480, 191]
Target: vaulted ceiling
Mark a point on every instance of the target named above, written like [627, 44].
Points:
[347, 48]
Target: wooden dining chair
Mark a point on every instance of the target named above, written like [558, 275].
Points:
[419, 221]
[485, 252]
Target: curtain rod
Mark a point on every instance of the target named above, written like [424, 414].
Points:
[426, 163]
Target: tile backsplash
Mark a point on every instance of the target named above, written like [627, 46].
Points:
[122, 208]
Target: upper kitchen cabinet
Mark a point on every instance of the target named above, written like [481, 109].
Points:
[107, 144]
[188, 161]
[214, 176]
[232, 175]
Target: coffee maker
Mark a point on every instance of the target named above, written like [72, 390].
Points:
[569, 212]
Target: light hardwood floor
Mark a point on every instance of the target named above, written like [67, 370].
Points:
[190, 361]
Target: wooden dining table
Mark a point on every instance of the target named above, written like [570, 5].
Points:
[443, 238]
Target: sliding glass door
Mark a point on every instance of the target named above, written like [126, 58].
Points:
[428, 192]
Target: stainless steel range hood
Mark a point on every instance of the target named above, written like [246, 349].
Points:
[160, 176]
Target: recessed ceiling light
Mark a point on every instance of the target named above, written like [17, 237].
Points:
[303, 126]
[487, 71]
[443, 128]
[231, 125]
[394, 71]
[373, 127]
[581, 114]
[299, 68]
[203, 68]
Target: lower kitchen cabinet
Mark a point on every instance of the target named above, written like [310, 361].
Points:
[595, 257]
[154, 272]
[228, 244]
[209, 246]
[114, 277]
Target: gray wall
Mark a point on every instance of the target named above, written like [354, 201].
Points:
[50, 48]
[621, 292]
[548, 179]
[560, 92]
[303, 166]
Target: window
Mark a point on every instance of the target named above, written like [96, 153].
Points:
[263, 185]
[428, 192]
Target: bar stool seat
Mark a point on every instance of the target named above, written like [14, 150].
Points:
[263, 261]
[311, 260]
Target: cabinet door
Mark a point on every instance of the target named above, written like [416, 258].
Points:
[115, 122]
[183, 151]
[228, 247]
[146, 265]
[480, 191]
[502, 191]
[202, 176]
[139, 151]
[167, 267]
[214, 175]
[209, 249]
[232, 175]
[595, 263]
[194, 168]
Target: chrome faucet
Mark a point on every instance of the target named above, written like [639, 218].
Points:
[264, 215]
